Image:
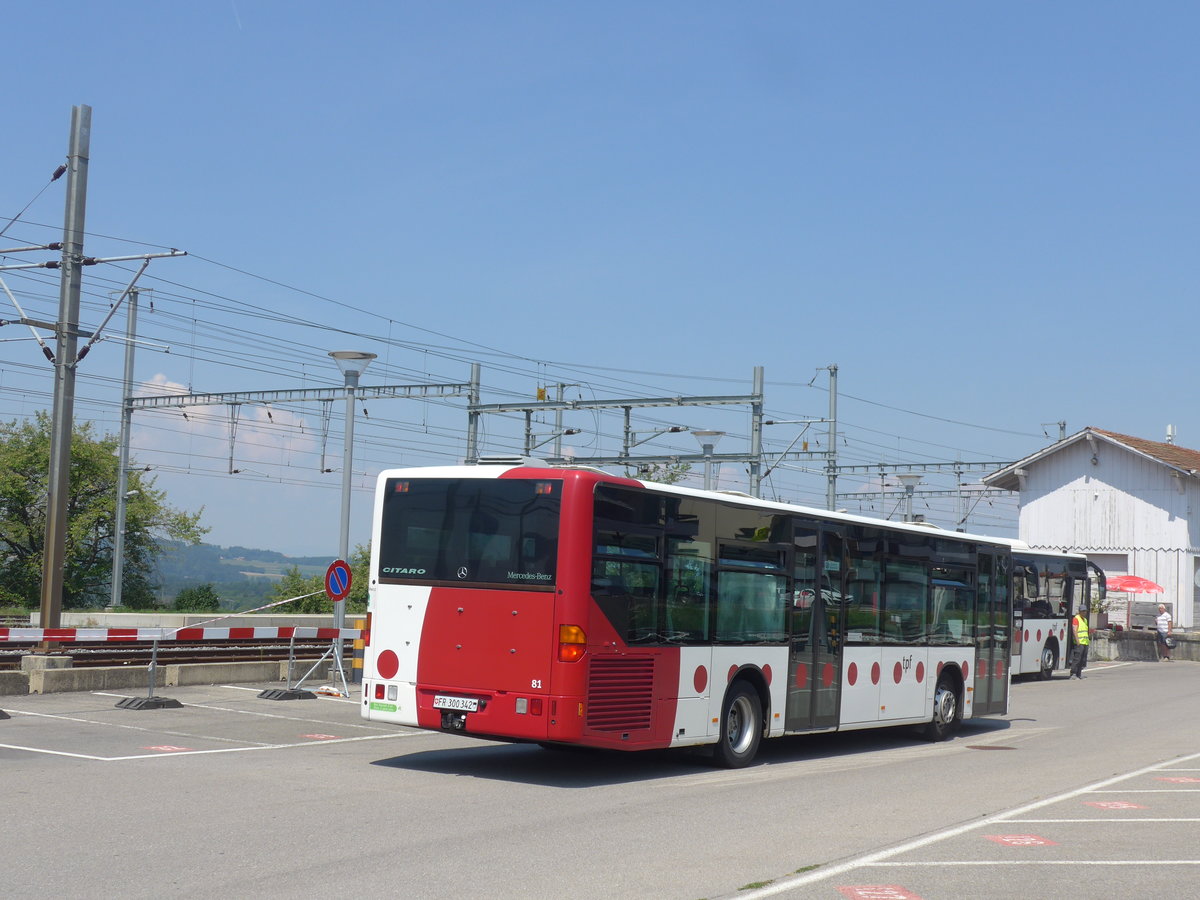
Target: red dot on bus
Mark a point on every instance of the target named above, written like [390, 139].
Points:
[874, 673]
[801, 675]
[999, 668]
[897, 673]
[827, 675]
[700, 679]
[1027, 634]
[767, 673]
[966, 669]
[920, 672]
[387, 664]
[1039, 635]
[852, 674]
[732, 671]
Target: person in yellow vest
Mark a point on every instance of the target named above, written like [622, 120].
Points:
[1079, 634]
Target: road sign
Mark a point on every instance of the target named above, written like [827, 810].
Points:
[337, 580]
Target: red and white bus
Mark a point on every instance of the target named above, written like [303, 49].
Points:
[1048, 588]
[521, 602]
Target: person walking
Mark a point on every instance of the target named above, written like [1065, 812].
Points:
[1163, 628]
[1079, 633]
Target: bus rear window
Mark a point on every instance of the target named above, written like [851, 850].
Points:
[499, 532]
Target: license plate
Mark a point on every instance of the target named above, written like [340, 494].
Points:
[465, 704]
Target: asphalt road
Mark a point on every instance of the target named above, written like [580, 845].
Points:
[1088, 788]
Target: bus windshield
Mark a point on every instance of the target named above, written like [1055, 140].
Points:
[474, 531]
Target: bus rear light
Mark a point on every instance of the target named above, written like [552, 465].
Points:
[572, 643]
[366, 634]
[529, 706]
[378, 690]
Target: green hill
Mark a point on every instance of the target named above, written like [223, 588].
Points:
[242, 577]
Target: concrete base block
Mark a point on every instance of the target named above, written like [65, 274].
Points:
[222, 673]
[14, 683]
[34, 662]
[103, 678]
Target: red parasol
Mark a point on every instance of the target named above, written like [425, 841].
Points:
[1132, 584]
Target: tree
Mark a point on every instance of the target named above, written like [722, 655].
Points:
[663, 473]
[200, 598]
[91, 519]
[293, 584]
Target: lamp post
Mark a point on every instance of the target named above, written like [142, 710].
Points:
[352, 364]
[708, 440]
[910, 481]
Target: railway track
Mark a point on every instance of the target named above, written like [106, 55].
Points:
[138, 653]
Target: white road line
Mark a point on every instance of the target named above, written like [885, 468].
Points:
[878, 857]
[163, 754]
[1103, 821]
[258, 690]
[947, 863]
[142, 728]
[1152, 790]
[258, 714]
[51, 752]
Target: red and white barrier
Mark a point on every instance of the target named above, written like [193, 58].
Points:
[98, 635]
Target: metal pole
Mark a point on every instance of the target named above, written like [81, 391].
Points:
[756, 424]
[118, 562]
[708, 451]
[831, 477]
[558, 419]
[67, 327]
[339, 608]
[473, 415]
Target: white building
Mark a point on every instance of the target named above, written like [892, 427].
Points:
[1132, 505]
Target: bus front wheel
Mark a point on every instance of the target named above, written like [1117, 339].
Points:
[1049, 662]
[945, 711]
[741, 727]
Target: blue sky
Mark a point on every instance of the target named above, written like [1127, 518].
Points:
[984, 214]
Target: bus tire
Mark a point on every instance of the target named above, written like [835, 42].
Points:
[741, 727]
[946, 711]
[1048, 662]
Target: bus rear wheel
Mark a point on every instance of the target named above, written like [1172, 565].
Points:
[945, 711]
[741, 727]
[1049, 663]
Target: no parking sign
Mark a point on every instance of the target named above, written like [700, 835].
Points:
[337, 580]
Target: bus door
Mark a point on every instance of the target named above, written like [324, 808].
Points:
[992, 634]
[814, 663]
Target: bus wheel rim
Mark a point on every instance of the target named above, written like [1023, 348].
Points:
[739, 733]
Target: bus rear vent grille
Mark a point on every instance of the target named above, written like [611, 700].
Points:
[620, 689]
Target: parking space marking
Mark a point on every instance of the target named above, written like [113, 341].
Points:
[119, 725]
[961, 863]
[351, 740]
[258, 713]
[1103, 821]
[881, 858]
[1153, 791]
[258, 690]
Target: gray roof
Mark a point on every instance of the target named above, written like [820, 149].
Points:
[1182, 459]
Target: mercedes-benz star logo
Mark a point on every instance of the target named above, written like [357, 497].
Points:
[462, 571]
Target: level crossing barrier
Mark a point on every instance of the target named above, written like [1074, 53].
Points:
[190, 634]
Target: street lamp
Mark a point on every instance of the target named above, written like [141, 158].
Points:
[352, 364]
[910, 481]
[708, 440]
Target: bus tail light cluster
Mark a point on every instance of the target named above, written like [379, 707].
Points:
[572, 643]
[366, 634]
[391, 689]
[531, 706]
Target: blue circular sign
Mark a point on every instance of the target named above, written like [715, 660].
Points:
[337, 580]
